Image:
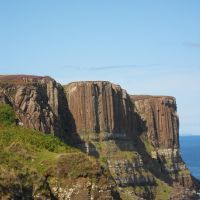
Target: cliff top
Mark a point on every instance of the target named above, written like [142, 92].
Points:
[86, 83]
[21, 78]
[91, 82]
[143, 97]
[25, 79]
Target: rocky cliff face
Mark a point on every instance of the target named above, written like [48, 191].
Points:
[135, 138]
[161, 130]
[140, 134]
[39, 102]
[161, 119]
[100, 107]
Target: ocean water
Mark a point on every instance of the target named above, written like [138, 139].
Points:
[190, 150]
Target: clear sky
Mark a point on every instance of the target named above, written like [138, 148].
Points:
[148, 47]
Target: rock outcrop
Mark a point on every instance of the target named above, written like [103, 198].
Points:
[161, 119]
[145, 127]
[100, 107]
[162, 131]
[135, 138]
[39, 102]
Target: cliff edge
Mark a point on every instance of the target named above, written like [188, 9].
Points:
[135, 138]
[39, 103]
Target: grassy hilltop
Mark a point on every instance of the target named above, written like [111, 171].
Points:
[30, 161]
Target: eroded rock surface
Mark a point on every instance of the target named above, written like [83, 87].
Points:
[39, 102]
[140, 136]
[100, 107]
[162, 131]
[160, 115]
[134, 138]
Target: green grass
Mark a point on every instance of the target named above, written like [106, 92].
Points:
[149, 148]
[29, 148]
[30, 139]
[7, 115]
[40, 151]
[162, 191]
[184, 172]
[28, 156]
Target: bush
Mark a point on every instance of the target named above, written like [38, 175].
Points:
[7, 114]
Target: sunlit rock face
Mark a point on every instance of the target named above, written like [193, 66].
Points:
[134, 138]
[39, 102]
[162, 123]
[105, 109]
[100, 107]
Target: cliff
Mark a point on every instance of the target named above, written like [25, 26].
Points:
[137, 135]
[160, 116]
[39, 102]
[100, 107]
[135, 139]
[34, 165]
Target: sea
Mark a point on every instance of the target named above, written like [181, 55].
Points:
[190, 151]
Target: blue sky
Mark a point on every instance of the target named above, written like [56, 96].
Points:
[148, 47]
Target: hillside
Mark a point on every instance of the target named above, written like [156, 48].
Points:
[38, 166]
[88, 140]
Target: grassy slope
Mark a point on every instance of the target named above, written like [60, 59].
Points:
[161, 190]
[27, 157]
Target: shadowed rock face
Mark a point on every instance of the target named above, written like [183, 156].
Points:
[39, 102]
[100, 107]
[111, 123]
[103, 107]
[162, 123]
[162, 131]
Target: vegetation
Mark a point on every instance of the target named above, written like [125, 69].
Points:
[162, 191]
[7, 115]
[28, 157]
[149, 148]
[34, 149]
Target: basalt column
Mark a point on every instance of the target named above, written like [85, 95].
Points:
[100, 107]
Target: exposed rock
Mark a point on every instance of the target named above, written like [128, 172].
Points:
[104, 109]
[135, 138]
[162, 131]
[39, 102]
[100, 107]
[162, 124]
[84, 189]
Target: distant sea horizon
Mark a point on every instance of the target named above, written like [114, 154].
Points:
[190, 151]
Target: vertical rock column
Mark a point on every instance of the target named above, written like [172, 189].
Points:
[99, 107]
[39, 102]
[162, 132]
[162, 123]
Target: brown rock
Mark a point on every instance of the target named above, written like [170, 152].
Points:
[96, 108]
[161, 128]
[99, 107]
[161, 119]
[39, 102]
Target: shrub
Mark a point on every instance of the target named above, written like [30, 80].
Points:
[7, 114]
